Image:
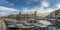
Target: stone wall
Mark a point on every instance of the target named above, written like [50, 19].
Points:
[2, 25]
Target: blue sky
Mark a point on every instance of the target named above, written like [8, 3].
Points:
[28, 6]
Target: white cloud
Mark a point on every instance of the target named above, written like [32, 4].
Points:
[28, 2]
[11, 4]
[58, 5]
[34, 0]
[2, 0]
[44, 12]
[6, 3]
[45, 3]
[6, 11]
[41, 11]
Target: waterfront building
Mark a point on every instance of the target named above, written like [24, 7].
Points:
[21, 16]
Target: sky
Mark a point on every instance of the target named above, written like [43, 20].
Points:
[43, 7]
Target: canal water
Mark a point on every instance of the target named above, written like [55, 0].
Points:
[11, 28]
[38, 28]
[52, 27]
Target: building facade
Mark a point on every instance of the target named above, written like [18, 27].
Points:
[22, 16]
